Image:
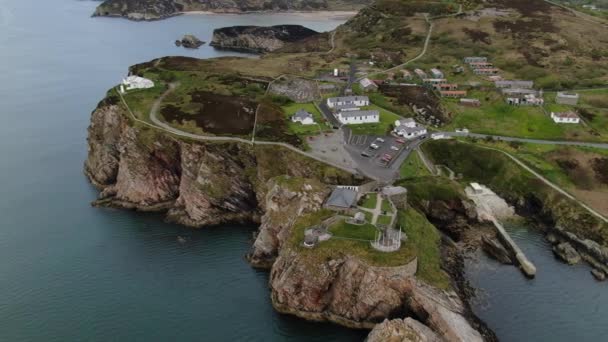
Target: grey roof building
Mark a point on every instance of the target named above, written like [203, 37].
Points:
[302, 114]
[342, 198]
[358, 113]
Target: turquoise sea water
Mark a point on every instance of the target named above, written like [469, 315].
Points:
[70, 272]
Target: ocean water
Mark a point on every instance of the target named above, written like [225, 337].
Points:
[70, 272]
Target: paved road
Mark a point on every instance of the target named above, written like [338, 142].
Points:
[526, 140]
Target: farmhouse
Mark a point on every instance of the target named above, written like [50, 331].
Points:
[342, 198]
[303, 117]
[475, 59]
[436, 73]
[526, 100]
[470, 102]
[566, 98]
[368, 85]
[453, 93]
[514, 84]
[408, 128]
[445, 86]
[486, 71]
[358, 101]
[421, 74]
[565, 117]
[136, 82]
[355, 117]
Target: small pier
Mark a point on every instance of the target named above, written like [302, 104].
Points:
[527, 267]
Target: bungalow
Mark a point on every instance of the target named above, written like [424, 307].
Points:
[368, 85]
[421, 74]
[453, 93]
[303, 117]
[355, 117]
[526, 100]
[479, 65]
[408, 128]
[436, 73]
[470, 102]
[566, 98]
[342, 198]
[346, 107]
[434, 81]
[518, 91]
[358, 101]
[136, 82]
[514, 84]
[486, 71]
[475, 59]
[445, 86]
[406, 74]
[565, 117]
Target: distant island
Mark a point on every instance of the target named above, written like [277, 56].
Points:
[161, 9]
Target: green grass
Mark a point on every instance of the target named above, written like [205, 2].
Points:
[384, 219]
[424, 239]
[413, 167]
[369, 201]
[496, 117]
[337, 248]
[386, 206]
[304, 130]
[363, 232]
[387, 119]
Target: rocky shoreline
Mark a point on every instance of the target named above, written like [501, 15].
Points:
[139, 168]
[259, 39]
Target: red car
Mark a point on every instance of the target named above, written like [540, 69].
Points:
[400, 141]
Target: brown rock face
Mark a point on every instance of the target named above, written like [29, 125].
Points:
[402, 330]
[351, 293]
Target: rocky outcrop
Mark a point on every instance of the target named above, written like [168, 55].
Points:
[160, 9]
[197, 184]
[496, 250]
[190, 42]
[283, 204]
[567, 253]
[259, 38]
[402, 330]
[349, 292]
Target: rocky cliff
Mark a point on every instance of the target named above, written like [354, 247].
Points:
[197, 184]
[350, 292]
[160, 9]
[259, 38]
[402, 330]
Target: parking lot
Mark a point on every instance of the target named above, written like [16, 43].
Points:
[380, 156]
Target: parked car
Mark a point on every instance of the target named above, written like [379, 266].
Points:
[462, 130]
[374, 146]
[366, 154]
[394, 148]
[387, 156]
[400, 141]
[380, 140]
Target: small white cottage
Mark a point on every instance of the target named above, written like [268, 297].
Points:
[303, 117]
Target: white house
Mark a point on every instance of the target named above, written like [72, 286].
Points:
[565, 117]
[368, 85]
[420, 73]
[436, 73]
[355, 117]
[358, 101]
[136, 82]
[303, 117]
[408, 128]
[524, 84]
[526, 100]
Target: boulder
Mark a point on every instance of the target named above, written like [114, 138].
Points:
[599, 275]
[190, 42]
[567, 253]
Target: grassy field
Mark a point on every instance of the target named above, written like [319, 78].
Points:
[305, 130]
[337, 248]
[369, 201]
[496, 117]
[424, 239]
[352, 231]
[384, 219]
[413, 167]
[386, 206]
[387, 120]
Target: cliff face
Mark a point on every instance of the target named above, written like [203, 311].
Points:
[259, 38]
[400, 330]
[160, 9]
[352, 293]
[198, 184]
